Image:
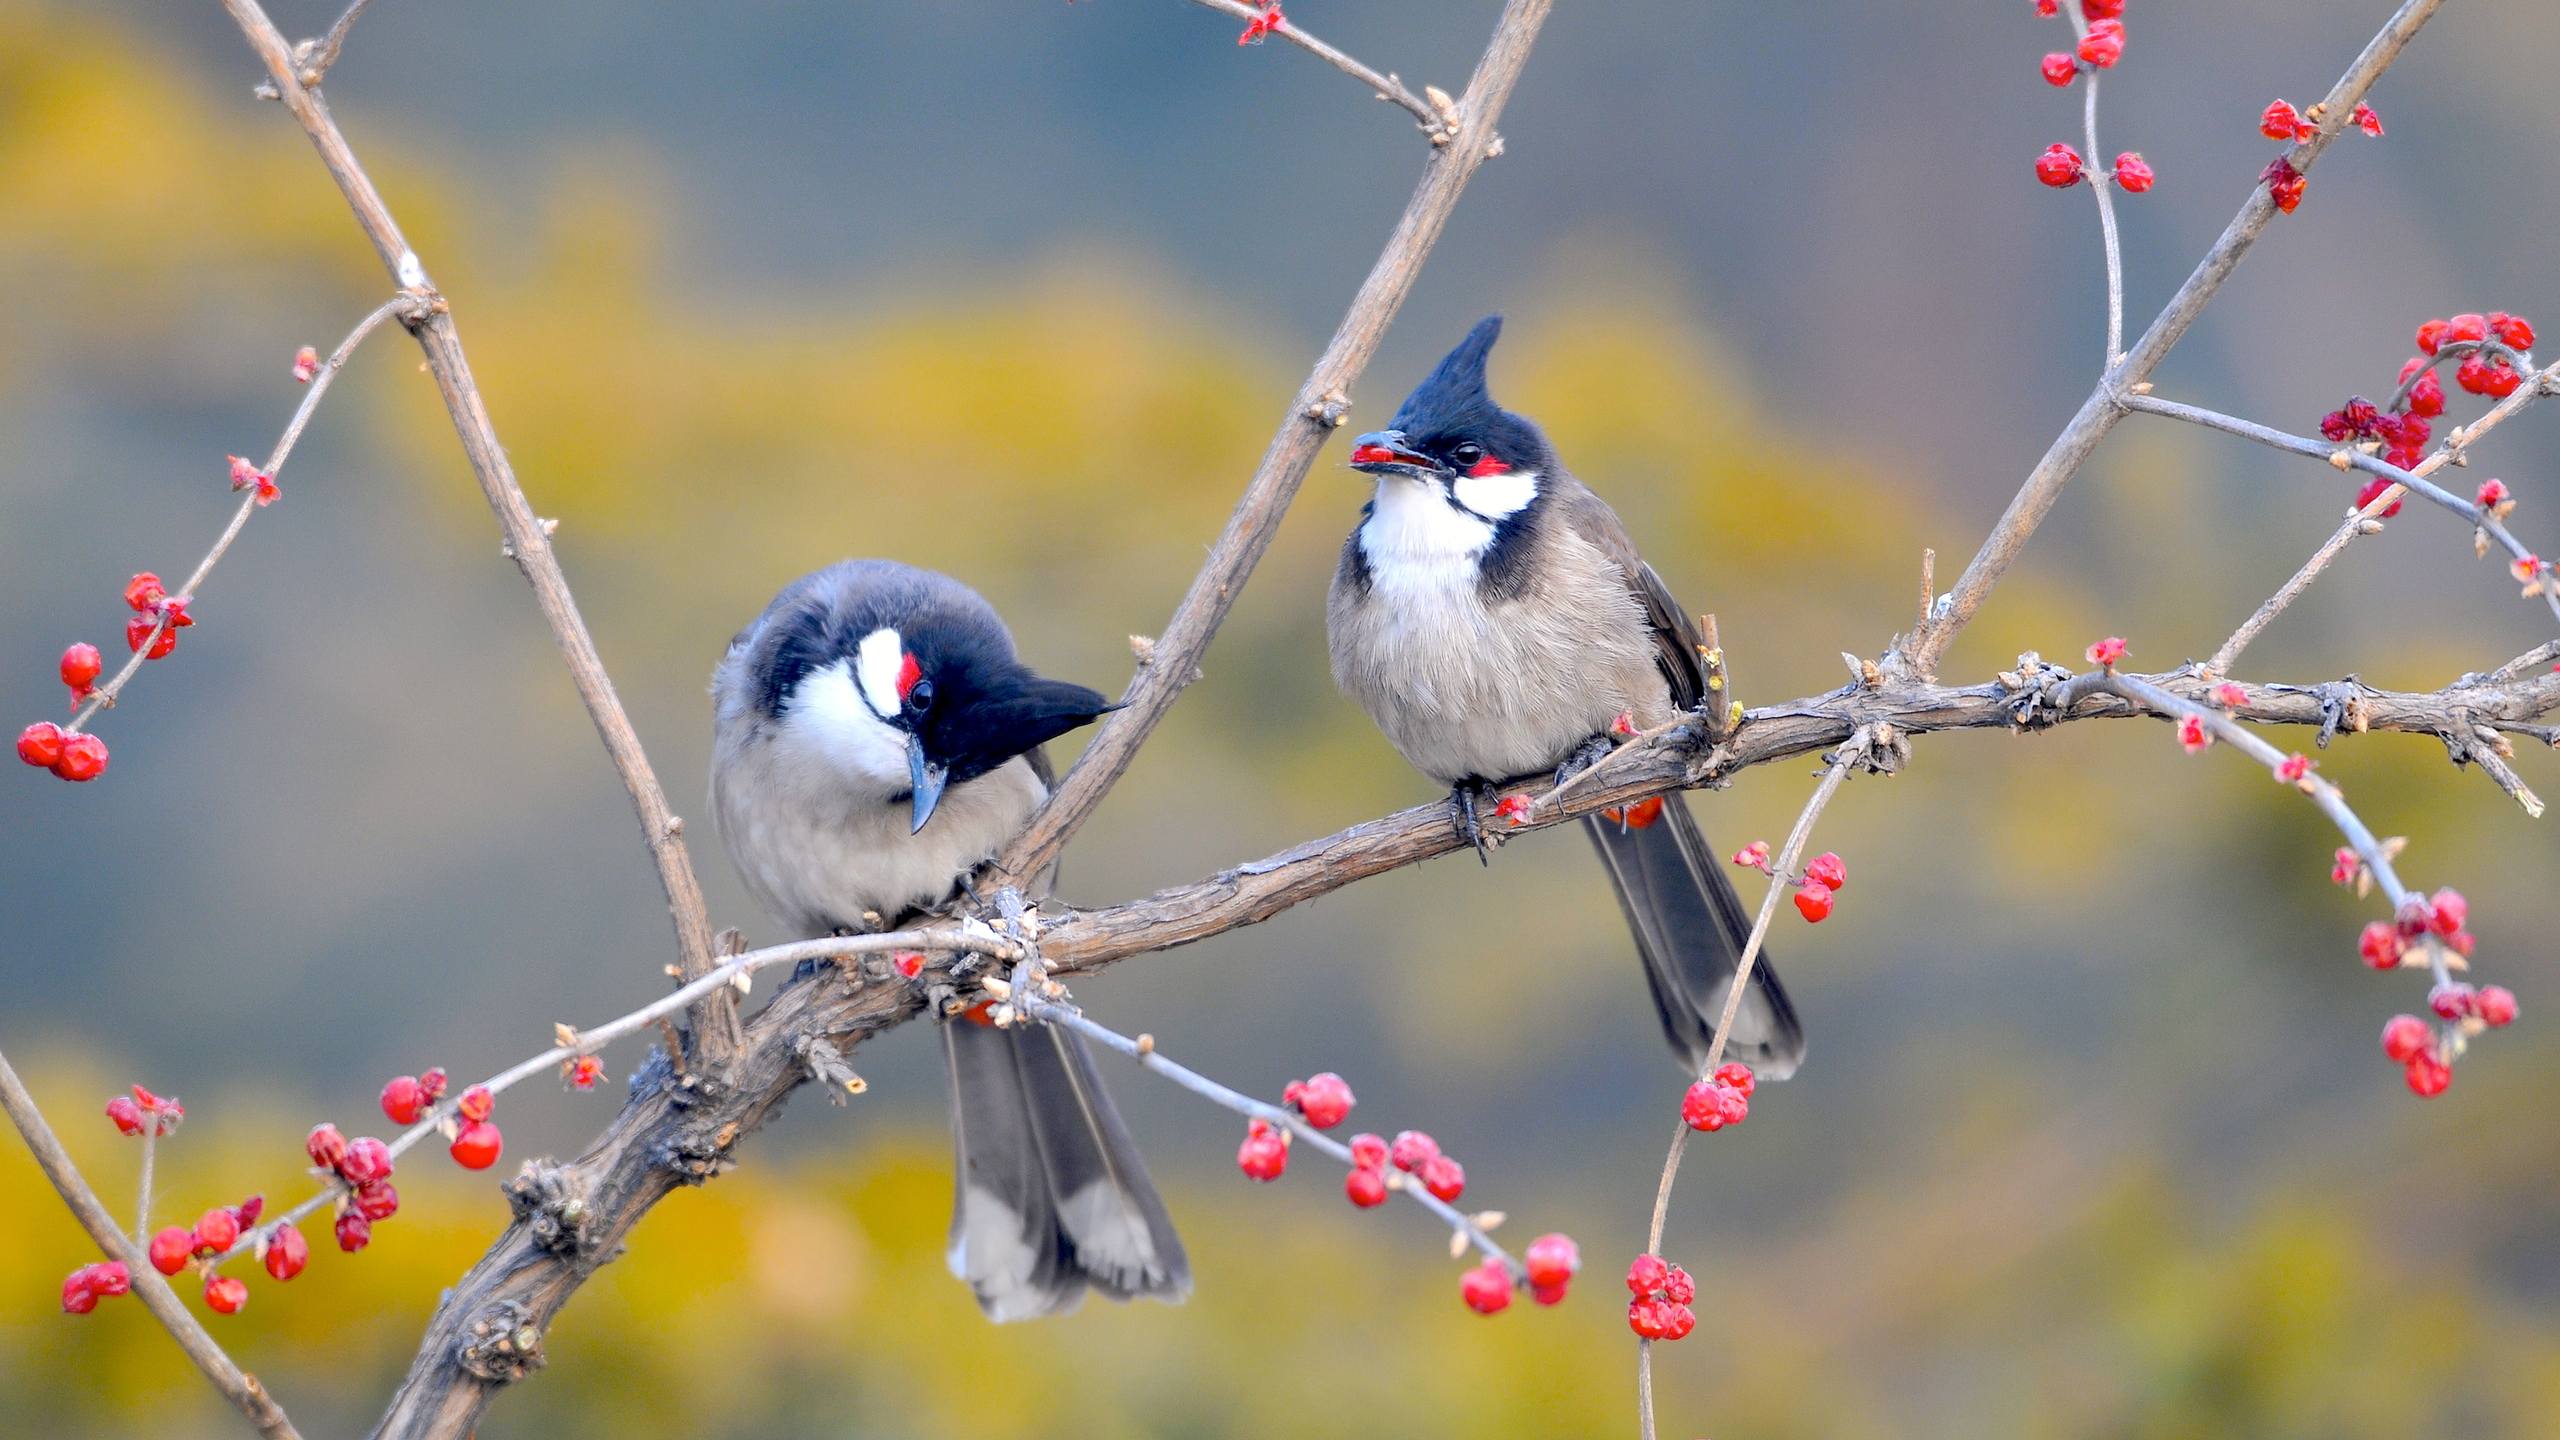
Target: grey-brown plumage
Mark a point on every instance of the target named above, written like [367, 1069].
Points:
[856, 681]
[1492, 615]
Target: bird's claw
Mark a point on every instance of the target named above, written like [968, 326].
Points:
[1585, 755]
[1464, 797]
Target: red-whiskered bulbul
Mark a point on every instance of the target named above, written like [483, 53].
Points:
[1492, 615]
[875, 740]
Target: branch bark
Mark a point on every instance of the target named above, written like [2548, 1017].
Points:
[1314, 414]
[238, 1386]
[528, 539]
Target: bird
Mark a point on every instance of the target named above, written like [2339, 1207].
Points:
[875, 740]
[1492, 616]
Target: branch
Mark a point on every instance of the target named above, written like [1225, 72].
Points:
[237, 1386]
[104, 697]
[1859, 747]
[1919, 653]
[528, 540]
[1434, 123]
[1316, 411]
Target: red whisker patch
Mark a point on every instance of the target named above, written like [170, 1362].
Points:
[909, 672]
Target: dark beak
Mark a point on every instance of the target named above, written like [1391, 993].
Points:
[928, 778]
[1388, 452]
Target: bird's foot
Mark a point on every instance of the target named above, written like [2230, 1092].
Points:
[1466, 796]
[1585, 755]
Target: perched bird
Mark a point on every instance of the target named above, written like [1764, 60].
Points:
[874, 741]
[1493, 617]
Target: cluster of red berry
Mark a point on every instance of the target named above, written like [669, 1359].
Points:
[2281, 121]
[364, 1165]
[475, 1139]
[2444, 919]
[86, 1286]
[2101, 47]
[1825, 875]
[282, 1251]
[1549, 1265]
[1663, 1294]
[1721, 1099]
[1268, 20]
[2493, 352]
[142, 1110]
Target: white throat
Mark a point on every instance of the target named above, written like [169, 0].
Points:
[829, 717]
[1413, 527]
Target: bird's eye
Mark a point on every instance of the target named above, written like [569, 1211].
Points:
[920, 697]
[1466, 454]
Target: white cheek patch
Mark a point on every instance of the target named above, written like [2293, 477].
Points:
[1496, 497]
[878, 659]
[1410, 523]
[829, 716]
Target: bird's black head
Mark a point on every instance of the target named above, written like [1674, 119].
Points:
[1449, 429]
[913, 691]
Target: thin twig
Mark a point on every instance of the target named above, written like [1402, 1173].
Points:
[332, 43]
[1918, 657]
[1154, 1062]
[528, 539]
[1848, 757]
[594, 1038]
[105, 695]
[2412, 481]
[1317, 410]
[2102, 185]
[239, 1387]
[1386, 87]
[142, 1187]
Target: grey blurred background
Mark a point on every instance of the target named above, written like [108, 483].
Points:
[2094, 1139]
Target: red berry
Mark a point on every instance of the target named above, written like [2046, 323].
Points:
[2191, 733]
[1813, 902]
[108, 1279]
[404, 1100]
[306, 364]
[171, 1248]
[1699, 1109]
[2280, 121]
[585, 1071]
[354, 1231]
[2513, 331]
[126, 1114]
[2292, 768]
[2380, 945]
[2413, 917]
[2059, 166]
[2502, 379]
[2406, 1035]
[1829, 869]
[1678, 1320]
[2428, 1075]
[1552, 1261]
[1754, 856]
[1323, 1099]
[248, 1211]
[1411, 1149]
[1514, 808]
[379, 1201]
[1646, 1275]
[1487, 1288]
[2468, 328]
[137, 633]
[477, 1103]
[1644, 1316]
[1368, 1152]
[2133, 173]
[2345, 866]
[2451, 1002]
[909, 963]
[2426, 398]
[2048, 8]
[225, 1294]
[81, 667]
[217, 1231]
[325, 1146]
[2447, 911]
[2493, 493]
[2365, 120]
[84, 757]
[1739, 1076]
[432, 1080]
[1365, 1186]
[2108, 651]
[366, 1161]
[287, 1253]
[2496, 1006]
[1265, 1151]
[2372, 491]
[1444, 1177]
[2284, 184]
[40, 744]
[2431, 335]
[478, 1145]
[1678, 1288]
[2059, 67]
[144, 592]
[2103, 46]
[2101, 9]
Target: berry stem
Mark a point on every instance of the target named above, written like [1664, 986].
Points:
[1848, 756]
[2103, 187]
[105, 695]
[1026, 997]
[142, 1204]
[1385, 87]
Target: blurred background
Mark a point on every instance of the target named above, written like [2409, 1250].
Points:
[2094, 1140]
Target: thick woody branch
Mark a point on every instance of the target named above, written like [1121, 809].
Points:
[1919, 654]
[239, 1387]
[1316, 411]
[528, 539]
